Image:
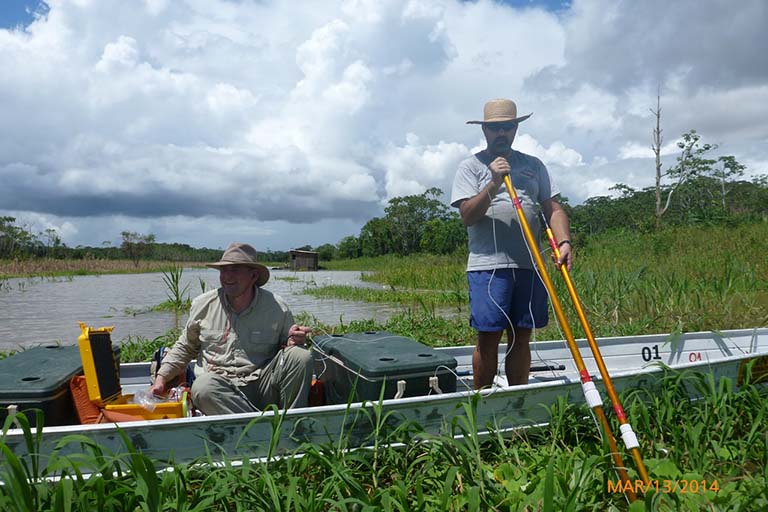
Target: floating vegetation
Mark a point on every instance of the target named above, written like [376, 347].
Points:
[292, 279]
[391, 295]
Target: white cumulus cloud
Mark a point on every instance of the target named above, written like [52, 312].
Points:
[295, 122]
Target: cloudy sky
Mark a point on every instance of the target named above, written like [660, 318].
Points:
[285, 123]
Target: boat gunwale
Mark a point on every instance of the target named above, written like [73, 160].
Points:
[457, 396]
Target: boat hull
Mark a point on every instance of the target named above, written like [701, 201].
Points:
[634, 363]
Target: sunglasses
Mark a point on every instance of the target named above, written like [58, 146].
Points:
[496, 127]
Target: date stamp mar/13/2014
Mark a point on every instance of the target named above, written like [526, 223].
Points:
[682, 486]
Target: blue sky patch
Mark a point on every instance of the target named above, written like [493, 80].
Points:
[20, 13]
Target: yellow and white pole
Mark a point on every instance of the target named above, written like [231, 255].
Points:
[591, 394]
[627, 434]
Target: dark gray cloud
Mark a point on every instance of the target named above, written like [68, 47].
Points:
[621, 44]
[307, 202]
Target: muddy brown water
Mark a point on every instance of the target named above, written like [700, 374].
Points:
[38, 311]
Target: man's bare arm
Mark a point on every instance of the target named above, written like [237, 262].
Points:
[561, 228]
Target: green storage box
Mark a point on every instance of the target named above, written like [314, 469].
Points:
[38, 378]
[359, 364]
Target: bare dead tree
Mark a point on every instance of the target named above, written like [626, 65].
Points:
[690, 164]
[657, 140]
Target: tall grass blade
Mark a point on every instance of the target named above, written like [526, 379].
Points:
[549, 487]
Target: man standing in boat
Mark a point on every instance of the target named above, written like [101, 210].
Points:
[249, 352]
[505, 292]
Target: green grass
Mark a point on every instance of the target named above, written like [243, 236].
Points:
[135, 349]
[719, 439]
[404, 297]
[685, 279]
[419, 271]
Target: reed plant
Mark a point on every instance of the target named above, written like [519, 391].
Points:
[177, 301]
[414, 272]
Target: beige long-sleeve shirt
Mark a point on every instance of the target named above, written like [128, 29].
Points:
[235, 345]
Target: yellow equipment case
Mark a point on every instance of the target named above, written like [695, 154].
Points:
[102, 375]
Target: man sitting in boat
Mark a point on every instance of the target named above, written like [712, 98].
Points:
[249, 351]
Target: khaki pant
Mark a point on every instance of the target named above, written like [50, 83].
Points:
[284, 382]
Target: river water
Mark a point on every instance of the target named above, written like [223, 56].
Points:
[47, 310]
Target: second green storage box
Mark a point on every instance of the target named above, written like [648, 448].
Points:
[356, 366]
[38, 378]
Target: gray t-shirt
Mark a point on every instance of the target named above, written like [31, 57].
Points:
[496, 240]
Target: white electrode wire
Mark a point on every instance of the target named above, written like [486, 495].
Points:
[510, 345]
[551, 305]
[338, 362]
[325, 356]
[453, 372]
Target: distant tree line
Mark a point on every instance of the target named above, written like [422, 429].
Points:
[19, 242]
[697, 203]
[697, 190]
[411, 224]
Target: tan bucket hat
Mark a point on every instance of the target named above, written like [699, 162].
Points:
[500, 111]
[242, 254]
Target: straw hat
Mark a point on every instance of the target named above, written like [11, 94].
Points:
[500, 111]
[242, 254]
